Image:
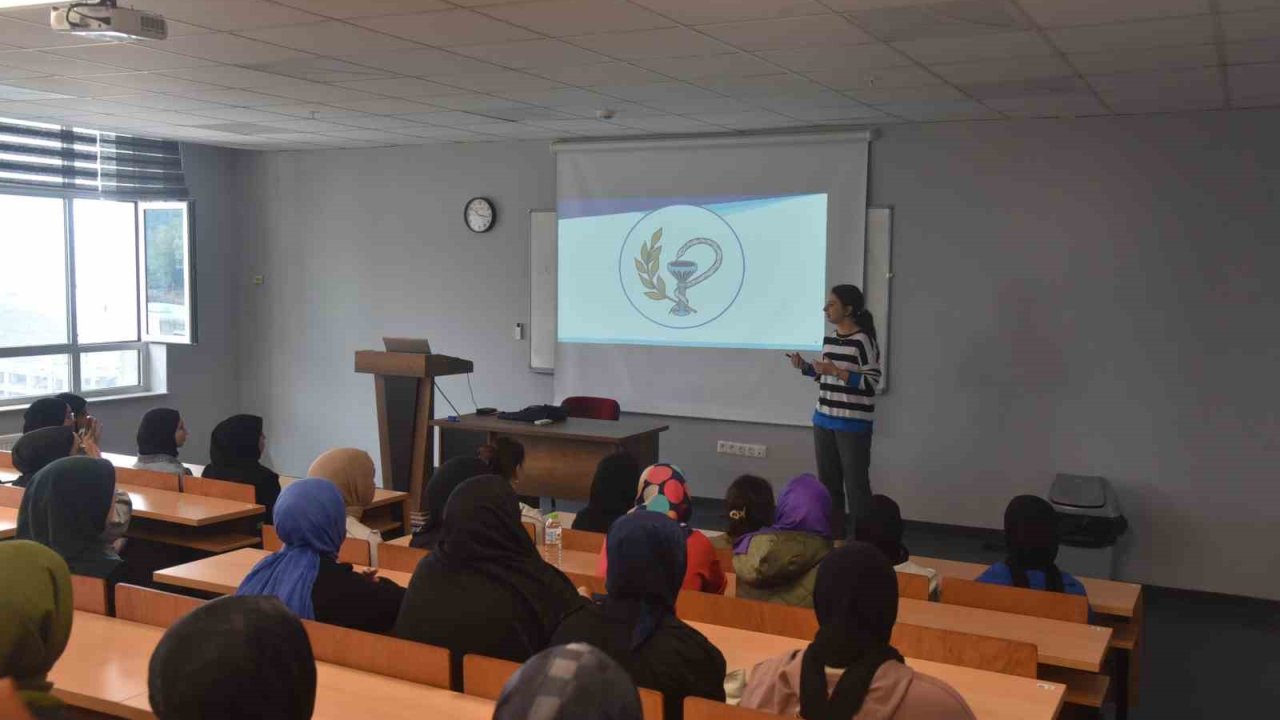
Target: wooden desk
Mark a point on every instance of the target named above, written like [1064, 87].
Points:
[560, 459]
[184, 508]
[1108, 597]
[381, 513]
[222, 574]
[8, 522]
[104, 669]
[127, 461]
[991, 695]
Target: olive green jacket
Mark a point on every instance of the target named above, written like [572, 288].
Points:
[781, 566]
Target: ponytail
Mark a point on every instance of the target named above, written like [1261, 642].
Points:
[851, 296]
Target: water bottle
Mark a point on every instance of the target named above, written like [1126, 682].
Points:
[551, 548]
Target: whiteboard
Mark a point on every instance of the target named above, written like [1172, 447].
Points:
[542, 291]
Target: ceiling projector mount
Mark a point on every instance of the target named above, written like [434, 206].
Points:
[103, 19]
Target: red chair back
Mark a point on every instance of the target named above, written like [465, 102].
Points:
[594, 408]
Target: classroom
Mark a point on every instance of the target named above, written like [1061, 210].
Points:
[917, 348]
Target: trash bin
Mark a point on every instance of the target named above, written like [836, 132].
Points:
[1090, 523]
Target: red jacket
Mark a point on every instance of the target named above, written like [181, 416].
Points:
[702, 570]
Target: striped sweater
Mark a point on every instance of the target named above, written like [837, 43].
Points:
[851, 405]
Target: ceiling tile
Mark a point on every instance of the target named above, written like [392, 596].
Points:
[996, 71]
[176, 118]
[45, 63]
[316, 92]
[622, 109]
[657, 92]
[1074, 105]
[1167, 58]
[734, 64]
[665, 123]
[158, 101]
[227, 48]
[239, 98]
[891, 77]
[14, 73]
[329, 38]
[451, 118]
[227, 76]
[519, 131]
[611, 73]
[532, 53]
[1252, 52]
[555, 98]
[1237, 27]
[306, 125]
[983, 47]
[64, 86]
[447, 28]
[90, 105]
[474, 102]
[322, 69]
[750, 120]
[1197, 30]
[241, 128]
[822, 114]
[711, 11]
[28, 35]
[154, 82]
[525, 113]
[241, 114]
[313, 111]
[230, 14]
[584, 127]
[561, 18]
[1056, 13]
[387, 106]
[379, 122]
[1028, 88]
[759, 85]
[422, 62]
[1242, 5]
[859, 57]
[1254, 81]
[364, 8]
[934, 112]
[130, 57]
[671, 42]
[786, 33]
[379, 136]
[408, 88]
[1163, 90]
[441, 133]
[701, 106]
[10, 92]
[506, 80]
[917, 94]
[956, 18]
[1185, 103]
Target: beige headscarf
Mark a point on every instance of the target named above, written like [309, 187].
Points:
[352, 471]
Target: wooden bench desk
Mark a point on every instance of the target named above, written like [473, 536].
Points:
[222, 574]
[104, 669]
[8, 522]
[203, 523]
[992, 696]
[121, 460]
[1109, 597]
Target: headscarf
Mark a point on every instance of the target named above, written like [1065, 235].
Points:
[156, 432]
[612, 493]
[43, 413]
[569, 682]
[444, 481]
[352, 471]
[1031, 537]
[35, 617]
[882, 527]
[65, 508]
[856, 601]
[647, 558]
[233, 658]
[235, 452]
[803, 506]
[38, 448]
[662, 489]
[79, 406]
[311, 522]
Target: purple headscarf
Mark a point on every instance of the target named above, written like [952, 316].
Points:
[803, 506]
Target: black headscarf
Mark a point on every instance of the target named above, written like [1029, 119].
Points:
[232, 658]
[569, 682]
[444, 481]
[882, 527]
[647, 559]
[43, 413]
[65, 507]
[613, 493]
[79, 406]
[38, 448]
[1031, 538]
[234, 453]
[856, 601]
[156, 432]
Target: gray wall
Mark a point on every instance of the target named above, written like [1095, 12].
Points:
[1089, 296]
[201, 379]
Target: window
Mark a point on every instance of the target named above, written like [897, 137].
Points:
[88, 284]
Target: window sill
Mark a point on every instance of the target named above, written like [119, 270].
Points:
[93, 400]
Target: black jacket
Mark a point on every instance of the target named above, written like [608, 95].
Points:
[342, 596]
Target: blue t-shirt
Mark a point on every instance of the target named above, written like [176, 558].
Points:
[999, 574]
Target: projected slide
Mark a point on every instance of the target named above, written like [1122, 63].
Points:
[739, 272]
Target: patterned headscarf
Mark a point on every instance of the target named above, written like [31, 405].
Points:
[662, 489]
[569, 681]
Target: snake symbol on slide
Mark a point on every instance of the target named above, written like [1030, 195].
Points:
[683, 271]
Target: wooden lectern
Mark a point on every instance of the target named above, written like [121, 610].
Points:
[404, 388]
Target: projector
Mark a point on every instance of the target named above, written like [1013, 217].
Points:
[105, 20]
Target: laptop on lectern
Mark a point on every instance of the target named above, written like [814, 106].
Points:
[407, 345]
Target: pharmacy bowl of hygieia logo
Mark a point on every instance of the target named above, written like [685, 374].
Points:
[682, 266]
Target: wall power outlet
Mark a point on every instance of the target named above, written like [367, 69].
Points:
[725, 447]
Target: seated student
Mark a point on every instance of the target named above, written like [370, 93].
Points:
[636, 622]
[663, 489]
[36, 449]
[749, 504]
[67, 507]
[882, 527]
[506, 457]
[850, 670]
[233, 658]
[80, 417]
[160, 434]
[235, 455]
[1031, 537]
[780, 563]
[485, 589]
[569, 682]
[443, 482]
[613, 491]
[35, 621]
[351, 471]
[47, 412]
[306, 575]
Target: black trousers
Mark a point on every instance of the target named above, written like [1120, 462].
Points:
[844, 464]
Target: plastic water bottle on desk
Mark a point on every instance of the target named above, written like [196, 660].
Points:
[551, 548]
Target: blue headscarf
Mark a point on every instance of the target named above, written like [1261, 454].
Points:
[647, 558]
[311, 520]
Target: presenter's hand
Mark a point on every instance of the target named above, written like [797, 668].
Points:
[797, 362]
[825, 367]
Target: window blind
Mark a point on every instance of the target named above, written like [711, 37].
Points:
[76, 161]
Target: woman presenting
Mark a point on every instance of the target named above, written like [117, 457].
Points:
[848, 376]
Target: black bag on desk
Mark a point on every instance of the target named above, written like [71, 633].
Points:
[534, 413]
